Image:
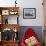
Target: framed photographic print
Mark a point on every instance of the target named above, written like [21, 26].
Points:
[5, 12]
[29, 13]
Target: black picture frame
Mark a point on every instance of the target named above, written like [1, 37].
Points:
[29, 13]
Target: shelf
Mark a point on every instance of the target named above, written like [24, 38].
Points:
[10, 26]
[11, 41]
[9, 7]
[6, 12]
[6, 23]
[9, 10]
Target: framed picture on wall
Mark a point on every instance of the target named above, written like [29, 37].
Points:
[5, 12]
[29, 13]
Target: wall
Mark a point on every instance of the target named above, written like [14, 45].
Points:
[39, 13]
[27, 4]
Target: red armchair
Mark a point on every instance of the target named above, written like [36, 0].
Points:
[30, 34]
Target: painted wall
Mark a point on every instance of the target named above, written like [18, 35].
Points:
[39, 13]
[27, 4]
